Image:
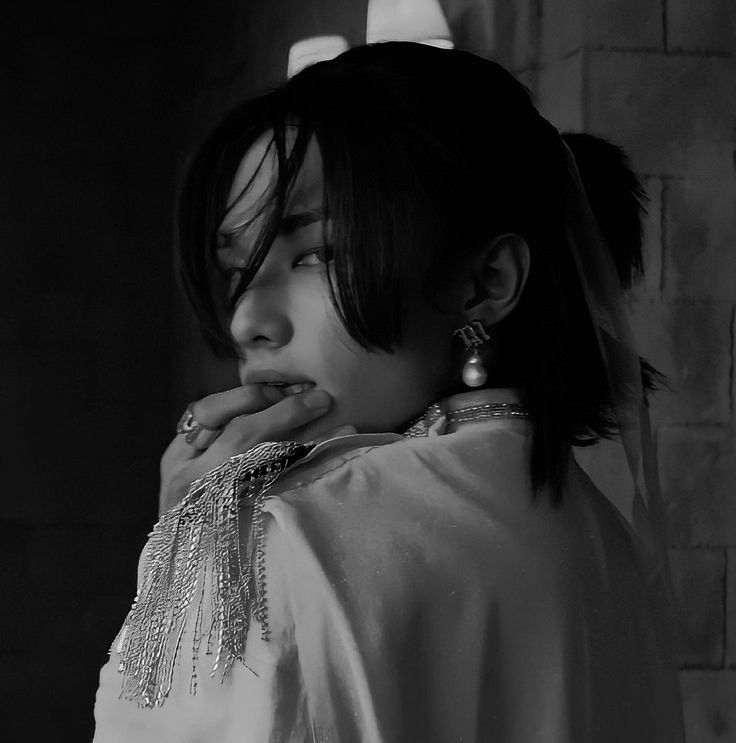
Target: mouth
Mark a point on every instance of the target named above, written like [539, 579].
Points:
[290, 389]
[288, 384]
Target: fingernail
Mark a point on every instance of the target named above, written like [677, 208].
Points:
[295, 389]
[316, 399]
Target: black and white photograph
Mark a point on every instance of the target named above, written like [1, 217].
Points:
[368, 371]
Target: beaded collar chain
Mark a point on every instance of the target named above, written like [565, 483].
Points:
[194, 551]
[428, 422]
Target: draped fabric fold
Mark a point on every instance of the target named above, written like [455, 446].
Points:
[623, 364]
[603, 296]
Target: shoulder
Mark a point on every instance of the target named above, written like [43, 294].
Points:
[451, 472]
[494, 455]
[424, 526]
[417, 507]
[458, 507]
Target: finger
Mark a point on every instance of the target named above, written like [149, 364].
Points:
[202, 438]
[215, 411]
[276, 423]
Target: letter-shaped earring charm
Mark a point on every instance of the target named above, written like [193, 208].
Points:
[473, 335]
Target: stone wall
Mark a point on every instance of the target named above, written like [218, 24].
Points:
[659, 78]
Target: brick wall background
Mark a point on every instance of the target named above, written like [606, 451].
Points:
[97, 353]
[659, 78]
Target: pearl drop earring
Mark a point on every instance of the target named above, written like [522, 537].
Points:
[473, 335]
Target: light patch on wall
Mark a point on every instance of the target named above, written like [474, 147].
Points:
[314, 49]
[407, 20]
[439, 43]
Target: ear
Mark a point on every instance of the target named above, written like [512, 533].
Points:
[495, 280]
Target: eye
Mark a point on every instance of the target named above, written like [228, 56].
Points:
[232, 279]
[319, 256]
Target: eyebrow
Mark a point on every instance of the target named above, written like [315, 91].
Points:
[292, 222]
[289, 224]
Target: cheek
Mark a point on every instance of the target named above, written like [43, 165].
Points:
[317, 320]
[374, 391]
[320, 340]
[381, 391]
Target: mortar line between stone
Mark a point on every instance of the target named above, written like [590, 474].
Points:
[732, 360]
[585, 87]
[662, 235]
[669, 52]
[665, 43]
[724, 650]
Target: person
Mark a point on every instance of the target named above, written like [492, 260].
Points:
[383, 534]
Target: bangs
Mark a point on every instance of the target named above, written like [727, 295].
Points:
[262, 218]
[383, 226]
[210, 217]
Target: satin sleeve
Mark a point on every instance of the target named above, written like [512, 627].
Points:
[336, 659]
[396, 589]
[427, 599]
[418, 592]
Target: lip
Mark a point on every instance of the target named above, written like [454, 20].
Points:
[269, 376]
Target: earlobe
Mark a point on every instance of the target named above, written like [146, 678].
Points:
[497, 279]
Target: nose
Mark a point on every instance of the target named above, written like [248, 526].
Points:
[260, 321]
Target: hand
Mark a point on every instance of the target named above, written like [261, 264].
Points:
[247, 416]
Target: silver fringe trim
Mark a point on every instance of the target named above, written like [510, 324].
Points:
[193, 549]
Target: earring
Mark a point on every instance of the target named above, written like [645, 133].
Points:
[473, 335]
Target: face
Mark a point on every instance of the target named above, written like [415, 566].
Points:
[285, 324]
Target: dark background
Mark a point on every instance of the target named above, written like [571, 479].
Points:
[101, 104]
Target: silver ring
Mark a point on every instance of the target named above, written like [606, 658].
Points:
[192, 428]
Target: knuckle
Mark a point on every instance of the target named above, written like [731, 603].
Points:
[204, 410]
[231, 438]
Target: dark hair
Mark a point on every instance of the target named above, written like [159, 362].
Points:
[427, 155]
[616, 198]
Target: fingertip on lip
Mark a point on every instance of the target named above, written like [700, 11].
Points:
[316, 399]
[274, 393]
[298, 388]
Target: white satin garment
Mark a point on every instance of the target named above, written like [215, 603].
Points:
[417, 592]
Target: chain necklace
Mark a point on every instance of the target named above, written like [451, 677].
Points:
[422, 425]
